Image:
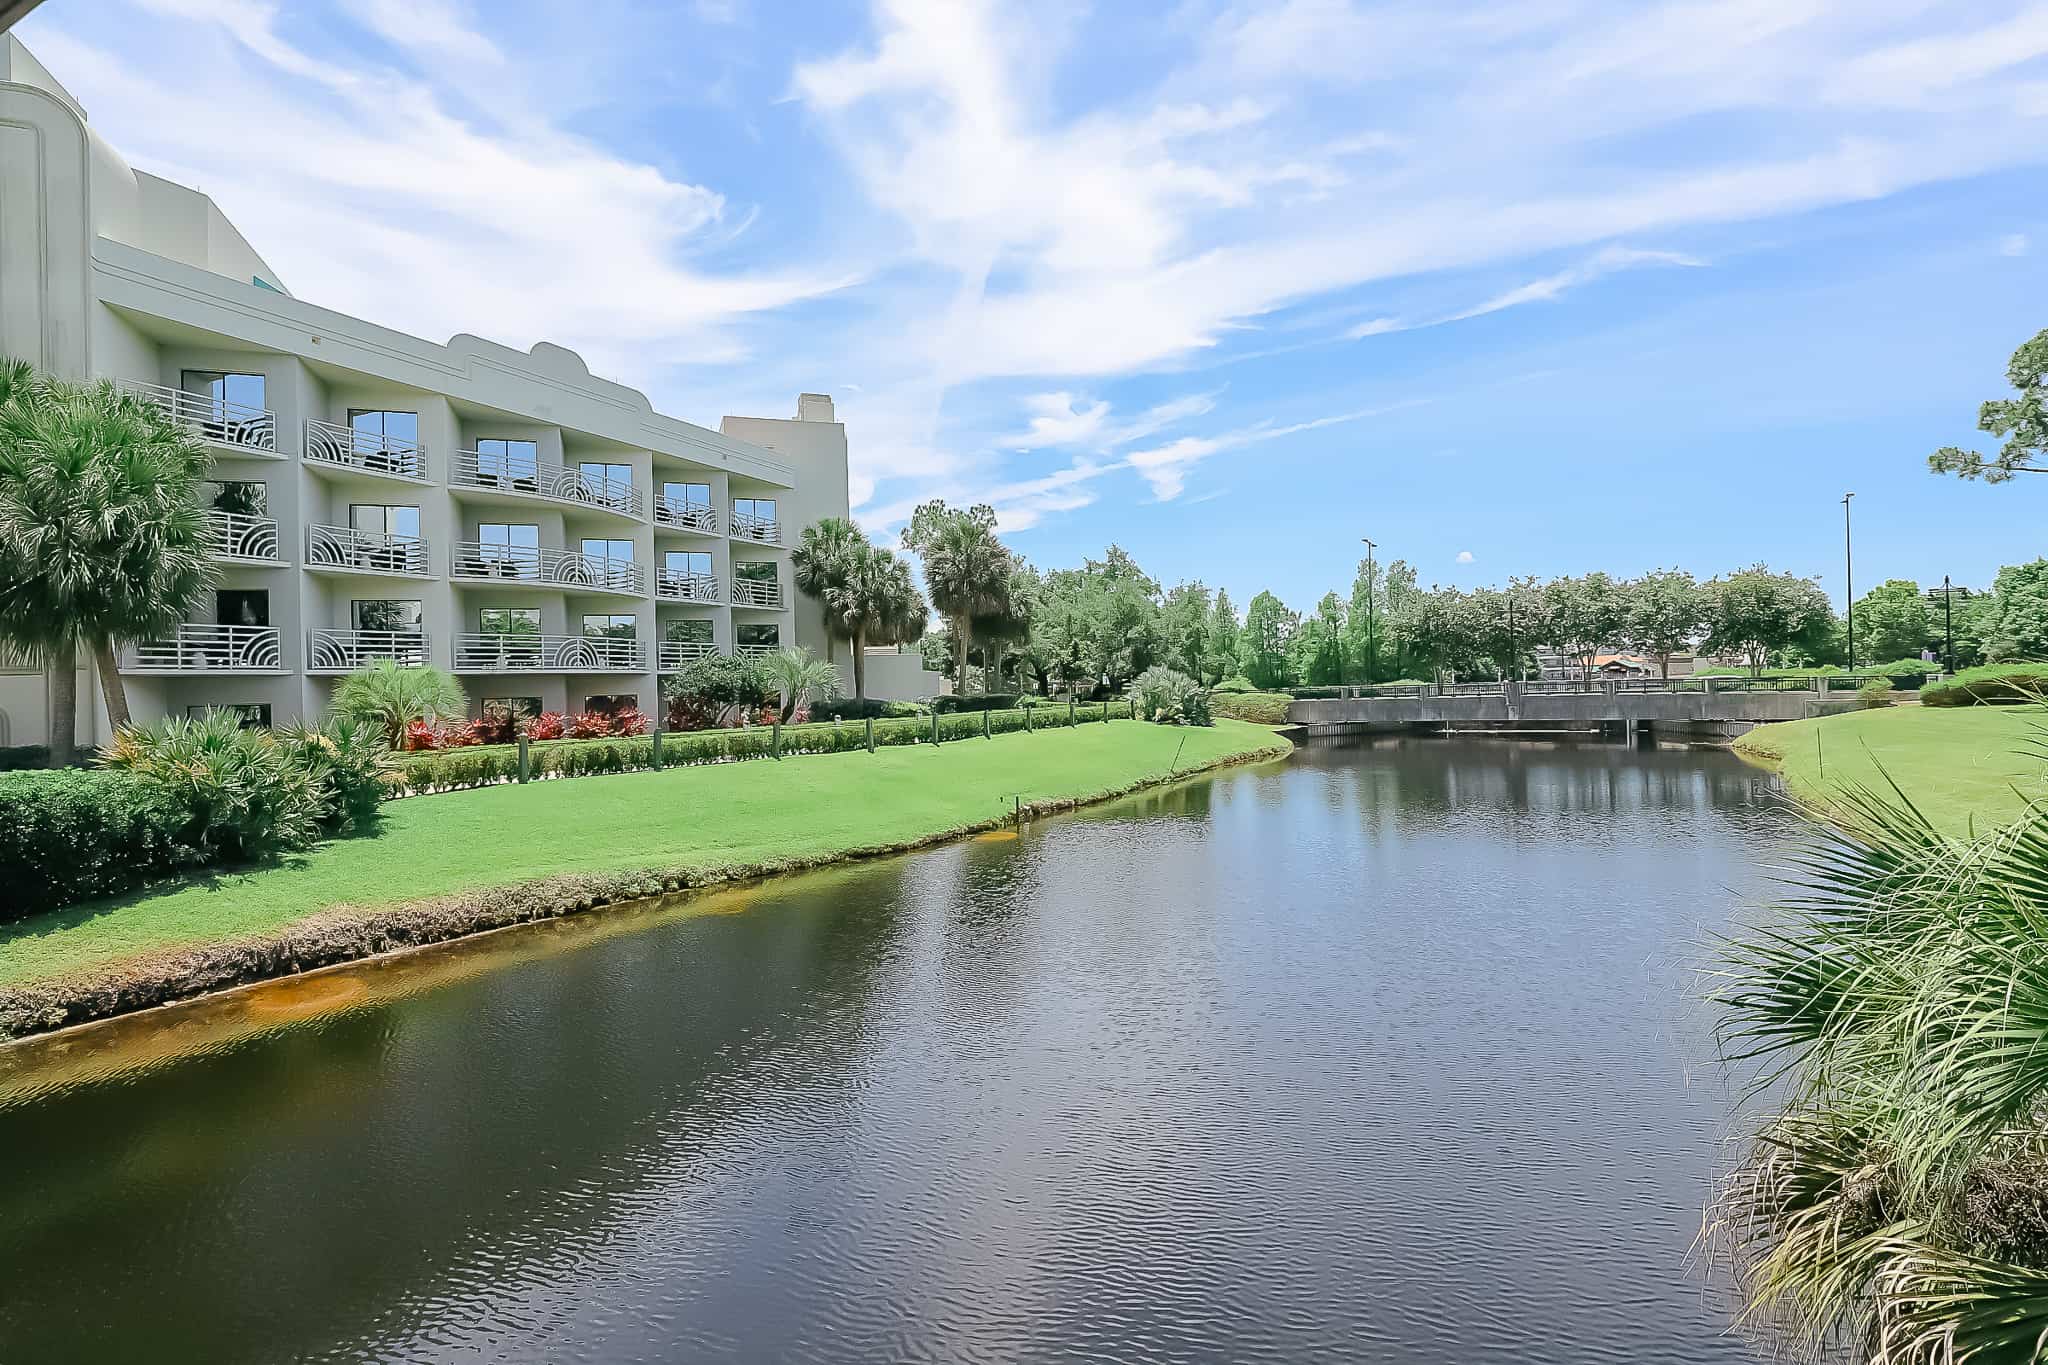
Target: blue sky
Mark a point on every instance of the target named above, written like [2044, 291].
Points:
[1511, 288]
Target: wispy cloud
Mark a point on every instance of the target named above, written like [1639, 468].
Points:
[1549, 288]
[1464, 556]
[2014, 244]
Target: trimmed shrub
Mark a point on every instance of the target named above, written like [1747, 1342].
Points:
[13, 758]
[1905, 674]
[1239, 684]
[1992, 685]
[1314, 693]
[1167, 697]
[990, 701]
[70, 836]
[846, 708]
[1875, 693]
[1260, 708]
[240, 792]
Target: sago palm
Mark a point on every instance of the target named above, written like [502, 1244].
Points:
[102, 539]
[799, 678]
[392, 697]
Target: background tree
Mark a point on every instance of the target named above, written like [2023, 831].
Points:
[999, 632]
[1316, 651]
[102, 539]
[1220, 659]
[1398, 594]
[2014, 625]
[1500, 626]
[1262, 644]
[1891, 621]
[1756, 612]
[866, 594]
[1184, 618]
[966, 569]
[2023, 421]
[1585, 615]
[1368, 607]
[1667, 611]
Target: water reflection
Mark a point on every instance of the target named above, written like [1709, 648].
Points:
[1381, 1054]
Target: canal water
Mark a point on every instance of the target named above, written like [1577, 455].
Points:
[1378, 1054]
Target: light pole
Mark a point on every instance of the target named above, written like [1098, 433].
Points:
[1371, 644]
[1948, 621]
[1849, 580]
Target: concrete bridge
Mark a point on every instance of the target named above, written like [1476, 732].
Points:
[1691, 709]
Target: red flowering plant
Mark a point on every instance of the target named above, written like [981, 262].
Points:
[546, 725]
[459, 735]
[627, 720]
[590, 725]
[497, 725]
[419, 735]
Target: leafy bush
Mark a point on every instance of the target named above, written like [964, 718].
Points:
[1905, 674]
[1315, 693]
[394, 697]
[707, 688]
[590, 725]
[73, 835]
[1238, 684]
[987, 701]
[1260, 708]
[1168, 697]
[239, 790]
[846, 708]
[627, 720]
[351, 766]
[1992, 685]
[1875, 693]
[19, 756]
[546, 725]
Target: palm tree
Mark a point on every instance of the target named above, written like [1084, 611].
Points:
[968, 572]
[102, 539]
[867, 594]
[799, 677]
[389, 695]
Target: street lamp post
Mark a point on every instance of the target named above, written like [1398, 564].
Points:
[1849, 580]
[1948, 621]
[1371, 643]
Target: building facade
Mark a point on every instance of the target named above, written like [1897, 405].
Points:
[543, 534]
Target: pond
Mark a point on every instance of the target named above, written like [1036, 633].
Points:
[1384, 1053]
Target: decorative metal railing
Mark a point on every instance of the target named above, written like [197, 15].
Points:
[331, 444]
[754, 651]
[544, 479]
[343, 547]
[756, 592]
[223, 423]
[686, 516]
[761, 530]
[671, 655]
[239, 536]
[210, 649]
[344, 651]
[685, 587]
[556, 568]
[512, 653]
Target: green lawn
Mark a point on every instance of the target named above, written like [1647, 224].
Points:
[721, 814]
[1961, 765]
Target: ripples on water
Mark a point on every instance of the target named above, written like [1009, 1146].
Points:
[1379, 1055]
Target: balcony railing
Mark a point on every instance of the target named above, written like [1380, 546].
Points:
[754, 651]
[507, 653]
[210, 649]
[685, 587]
[545, 479]
[223, 423]
[761, 530]
[671, 655]
[343, 547]
[344, 651]
[554, 568]
[328, 443]
[686, 516]
[237, 536]
[756, 592]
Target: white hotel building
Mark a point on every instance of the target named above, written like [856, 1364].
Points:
[543, 534]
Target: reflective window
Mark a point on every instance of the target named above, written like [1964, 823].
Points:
[609, 628]
[769, 636]
[384, 614]
[379, 519]
[497, 459]
[753, 571]
[686, 564]
[509, 620]
[243, 497]
[760, 509]
[596, 472]
[254, 715]
[695, 494]
[608, 549]
[378, 429]
[688, 632]
[241, 394]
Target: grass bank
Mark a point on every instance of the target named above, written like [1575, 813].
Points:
[469, 861]
[1964, 767]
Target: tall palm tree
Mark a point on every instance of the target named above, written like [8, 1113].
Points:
[968, 572]
[868, 595]
[102, 539]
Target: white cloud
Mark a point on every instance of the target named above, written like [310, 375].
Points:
[2014, 244]
[1060, 419]
[1551, 287]
[1166, 467]
[1464, 556]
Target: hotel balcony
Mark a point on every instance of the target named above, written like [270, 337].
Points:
[342, 549]
[758, 530]
[507, 653]
[520, 478]
[671, 514]
[696, 587]
[230, 426]
[344, 651]
[526, 564]
[755, 592]
[754, 651]
[335, 447]
[243, 539]
[210, 649]
[671, 655]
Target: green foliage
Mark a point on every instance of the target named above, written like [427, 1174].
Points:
[1219, 652]
[967, 571]
[1170, 697]
[1260, 708]
[1585, 615]
[351, 766]
[1316, 653]
[709, 687]
[74, 835]
[1185, 617]
[1756, 612]
[798, 677]
[1991, 685]
[1100, 624]
[17, 756]
[850, 708]
[391, 696]
[866, 594]
[2021, 420]
[1262, 646]
[1891, 621]
[241, 793]
[1877, 692]
[1235, 684]
[2015, 623]
[1668, 609]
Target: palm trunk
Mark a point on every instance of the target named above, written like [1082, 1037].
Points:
[63, 677]
[860, 667]
[962, 632]
[111, 687]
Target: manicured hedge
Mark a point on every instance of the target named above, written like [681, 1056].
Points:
[846, 708]
[15, 757]
[478, 766]
[990, 701]
[1992, 685]
[1260, 708]
[70, 836]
